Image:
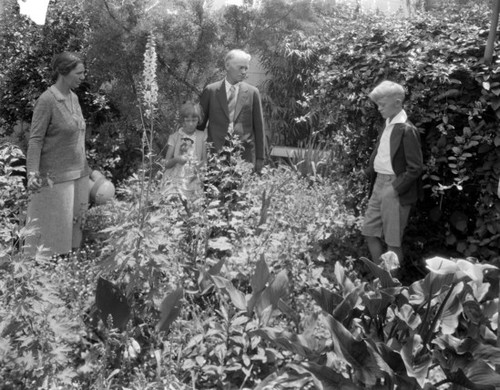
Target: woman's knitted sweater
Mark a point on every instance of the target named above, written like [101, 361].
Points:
[56, 147]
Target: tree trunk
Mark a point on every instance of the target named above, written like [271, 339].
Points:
[490, 44]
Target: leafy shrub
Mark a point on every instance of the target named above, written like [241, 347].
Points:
[452, 99]
[40, 326]
[387, 335]
[13, 196]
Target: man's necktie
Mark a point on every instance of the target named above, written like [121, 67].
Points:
[231, 102]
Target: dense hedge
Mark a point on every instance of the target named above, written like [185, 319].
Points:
[453, 99]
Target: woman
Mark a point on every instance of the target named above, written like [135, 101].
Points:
[58, 173]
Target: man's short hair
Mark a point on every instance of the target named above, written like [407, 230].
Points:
[237, 53]
[387, 88]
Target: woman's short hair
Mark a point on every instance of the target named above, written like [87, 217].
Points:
[63, 63]
[387, 88]
[189, 109]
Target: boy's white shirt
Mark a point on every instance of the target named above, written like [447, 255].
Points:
[382, 163]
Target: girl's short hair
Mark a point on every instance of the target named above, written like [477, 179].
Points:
[387, 88]
[63, 63]
[191, 108]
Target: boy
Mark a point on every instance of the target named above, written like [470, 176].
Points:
[394, 168]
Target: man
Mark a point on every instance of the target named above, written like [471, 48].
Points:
[395, 167]
[233, 105]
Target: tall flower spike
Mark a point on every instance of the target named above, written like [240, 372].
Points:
[150, 85]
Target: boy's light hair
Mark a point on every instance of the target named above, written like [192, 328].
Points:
[387, 88]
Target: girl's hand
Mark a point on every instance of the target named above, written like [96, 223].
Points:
[34, 181]
[180, 160]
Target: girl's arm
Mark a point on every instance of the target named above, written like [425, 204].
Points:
[171, 160]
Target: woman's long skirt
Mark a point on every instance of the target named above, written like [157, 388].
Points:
[57, 214]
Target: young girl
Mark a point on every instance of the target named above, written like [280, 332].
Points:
[186, 155]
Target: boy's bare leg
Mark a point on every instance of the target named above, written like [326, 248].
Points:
[375, 247]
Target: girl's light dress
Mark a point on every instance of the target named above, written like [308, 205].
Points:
[185, 179]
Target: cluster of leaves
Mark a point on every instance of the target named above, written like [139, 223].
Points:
[12, 194]
[386, 335]
[28, 50]
[41, 322]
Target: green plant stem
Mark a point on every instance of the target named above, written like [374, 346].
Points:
[427, 311]
[438, 314]
[392, 331]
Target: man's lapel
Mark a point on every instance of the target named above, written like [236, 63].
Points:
[222, 98]
[242, 99]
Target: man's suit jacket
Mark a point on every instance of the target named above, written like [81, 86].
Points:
[248, 119]
[406, 159]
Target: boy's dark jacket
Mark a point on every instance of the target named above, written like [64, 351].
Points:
[407, 162]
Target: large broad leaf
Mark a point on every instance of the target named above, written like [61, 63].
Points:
[328, 378]
[442, 266]
[215, 269]
[478, 376]
[487, 353]
[469, 346]
[460, 269]
[204, 280]
[367, 364]
[170, 309]
[396, 363]
[451, 311]
[377, 303]
[326, 299]
[342, 279]
[416, 361]
[344, 309]
[433, 284]
[406, 314]
[237, 297]
[385, 277]
[272, 293]
[474, 271]
[288, 311]
[110, 301]
[460, 346]
[285, 380]
[303, 345]
[260, 277]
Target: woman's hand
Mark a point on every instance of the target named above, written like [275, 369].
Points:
[34, 181]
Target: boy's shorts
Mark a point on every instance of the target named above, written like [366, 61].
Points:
[385, 217]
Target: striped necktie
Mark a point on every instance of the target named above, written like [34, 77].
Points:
[231, 102]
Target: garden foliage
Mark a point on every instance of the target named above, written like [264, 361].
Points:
[452, 98]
